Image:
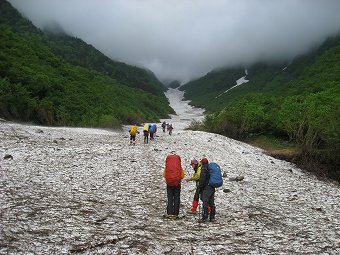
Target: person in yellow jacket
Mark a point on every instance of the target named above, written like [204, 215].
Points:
[173, 174]
[146, 130]
[196, 166]
[133, 132]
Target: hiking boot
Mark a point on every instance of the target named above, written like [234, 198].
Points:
[212, 220]
[172, 217]
[202, 220]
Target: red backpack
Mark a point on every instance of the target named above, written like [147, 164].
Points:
[173, 170]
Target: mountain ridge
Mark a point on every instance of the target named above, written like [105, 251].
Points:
[297, 102]
[58, 89]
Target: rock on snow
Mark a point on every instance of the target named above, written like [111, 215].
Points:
[77, 190]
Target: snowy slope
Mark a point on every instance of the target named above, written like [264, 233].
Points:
[86, 191]
[239, 82]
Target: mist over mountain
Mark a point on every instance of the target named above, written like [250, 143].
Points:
[56, 79]
[182, 40]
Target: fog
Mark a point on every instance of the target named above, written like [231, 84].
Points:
[185, 39]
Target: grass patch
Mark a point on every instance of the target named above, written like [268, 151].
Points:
[275, 147]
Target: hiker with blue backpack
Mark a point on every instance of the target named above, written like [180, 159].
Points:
[153, 130]
[210, 179]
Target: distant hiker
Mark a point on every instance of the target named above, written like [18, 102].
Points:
[170, 128]
[173, 174]
[196, 166]
[146, 132]
[133, 132]
[153, 130]
[207, 193]
[163, 126]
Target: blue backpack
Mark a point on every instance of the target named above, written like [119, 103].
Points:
[215, 179]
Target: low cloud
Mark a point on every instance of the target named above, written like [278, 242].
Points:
[185, 39]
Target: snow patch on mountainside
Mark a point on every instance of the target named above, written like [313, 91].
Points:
[239, 82]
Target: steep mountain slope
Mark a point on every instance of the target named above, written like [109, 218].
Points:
[203, 91]
[298, 102]
[77, 52]
[39, 85]
[263, 78]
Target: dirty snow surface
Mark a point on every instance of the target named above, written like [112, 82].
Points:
[87, 191]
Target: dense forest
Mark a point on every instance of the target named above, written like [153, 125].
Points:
[295, 106]
[50, 78]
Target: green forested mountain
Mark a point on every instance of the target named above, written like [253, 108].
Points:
[298, 102]
[203, 91]
[59, 80]
[77, 52]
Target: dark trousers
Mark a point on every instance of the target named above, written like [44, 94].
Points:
[132, 137]
[197, 194]
[173, 199]
[146, 136]
[208, 199]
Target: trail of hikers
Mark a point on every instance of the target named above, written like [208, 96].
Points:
[84, 190]
[89, 191]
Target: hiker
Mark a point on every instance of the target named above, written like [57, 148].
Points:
[207, 193]
[173, 174]
[146, 132]
[133, 132]
[196, 166]
[163, 126]
[153, 130]
[170, 128]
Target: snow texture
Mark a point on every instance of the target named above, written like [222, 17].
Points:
[87, 191]
[239, 82]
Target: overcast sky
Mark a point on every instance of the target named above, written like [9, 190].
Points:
[185, 39]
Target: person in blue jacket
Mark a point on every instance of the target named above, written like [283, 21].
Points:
[153, 130]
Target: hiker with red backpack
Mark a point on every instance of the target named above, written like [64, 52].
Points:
[196, 166]
[207, 193]
[173, 174]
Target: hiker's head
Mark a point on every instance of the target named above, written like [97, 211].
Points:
[204, 161]
[193, 163]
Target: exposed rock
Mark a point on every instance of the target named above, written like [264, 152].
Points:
[8, 156]
[237, 178]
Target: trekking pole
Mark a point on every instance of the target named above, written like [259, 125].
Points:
[199, 210]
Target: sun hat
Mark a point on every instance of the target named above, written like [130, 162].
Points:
[193, 162]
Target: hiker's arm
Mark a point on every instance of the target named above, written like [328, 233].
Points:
[182, 173]
[164, 172]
